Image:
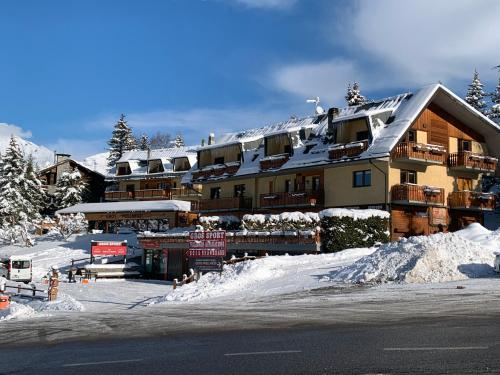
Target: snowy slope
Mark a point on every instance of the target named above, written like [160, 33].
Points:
[97, 163]
[42, 155]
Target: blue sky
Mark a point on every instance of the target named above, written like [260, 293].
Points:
[69, 68]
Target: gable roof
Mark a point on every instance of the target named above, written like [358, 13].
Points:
[79, 165]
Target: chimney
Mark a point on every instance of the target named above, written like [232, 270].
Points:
[332, 113]
[61, 157]
[211, 139]
[203, 142]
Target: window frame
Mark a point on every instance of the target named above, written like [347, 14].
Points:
[366, 178]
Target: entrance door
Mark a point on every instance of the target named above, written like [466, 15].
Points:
[175, 265]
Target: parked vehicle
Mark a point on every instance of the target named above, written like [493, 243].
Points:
[497, 262]
[16, 268]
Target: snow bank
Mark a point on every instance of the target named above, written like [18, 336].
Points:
[17, 311]
[356, 214]
[438, 258]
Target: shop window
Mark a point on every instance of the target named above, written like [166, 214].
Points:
[362, 178]
[215, 193]
[239, 190]
[408, 177]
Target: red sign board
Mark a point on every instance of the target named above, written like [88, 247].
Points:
[108, 248]
[207, 244]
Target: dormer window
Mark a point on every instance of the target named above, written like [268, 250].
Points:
[123, 169]
[155, 166]
[219, 160]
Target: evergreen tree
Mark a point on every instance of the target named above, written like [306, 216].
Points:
[475, 94]
[353, 96]
[32, 189]
[121, 140]
[70, 189]
[143, 142]
[14, 207]
[495, 101]
[179, 141]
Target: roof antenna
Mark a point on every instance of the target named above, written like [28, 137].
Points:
[319, 110]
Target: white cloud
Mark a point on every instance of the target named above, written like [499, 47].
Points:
[402, 44]
[6, 130]
[279, 4]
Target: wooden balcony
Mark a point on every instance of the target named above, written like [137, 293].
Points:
[419, 153]
[273, 162]
[348, 150]
[292, 199]
[416, 194]
[471, 200]
[226, 204]
[151, 194]
[216, 171]
[469, 161]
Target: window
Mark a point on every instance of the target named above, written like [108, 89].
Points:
[288, 149]
[464, 184]
[361, 136]
[215, 193]
[464, 145]
[316, 183]
[412, 136]
[362, 178]
[271, 187]
[288, 186]
[239, 190]
[408, 177]
[20, 264]
[219, 160]
[130, 188]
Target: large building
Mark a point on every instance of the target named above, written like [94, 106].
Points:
[420, 155]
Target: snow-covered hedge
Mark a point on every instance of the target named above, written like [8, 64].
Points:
[286, 221]
[71, 224]
[349, 228]
[229, 222]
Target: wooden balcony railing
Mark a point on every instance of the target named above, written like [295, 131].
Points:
[151, 194]
[348, 150]
[118, 195]
[224, 204]
[467, 160]
[274, 162]
[216, 171]
[297, 198]
[471, 200]
[433, 154]
[416, 194]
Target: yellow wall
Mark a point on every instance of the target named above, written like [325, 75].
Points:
[227, 188]
[347, 131]
[421, 136]
[453, 144]
[340, 192]
[123, 185]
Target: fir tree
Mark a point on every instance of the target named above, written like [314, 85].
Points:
[495, 101]
[179, 141]
[143, 142]
[121, 140]
[32, 189]
[475, 94]
[353, 96]
[70, 189]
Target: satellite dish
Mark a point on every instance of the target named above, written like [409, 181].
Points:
[319, 110]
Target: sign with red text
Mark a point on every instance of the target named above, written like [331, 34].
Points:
[108, 248]
[207, 244]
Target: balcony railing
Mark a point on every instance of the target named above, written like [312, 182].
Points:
[151, 194]
[273, 162]
[225, 204]
[466, 160]
[297, 198]
[216, 171]
[417, 194]
[471, 200]
[420, 153]
[347, 150]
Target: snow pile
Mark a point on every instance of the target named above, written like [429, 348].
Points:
[438, 258]
[266, 276]
[64, 302]
[17, 311]
[229, 222]
[356, 214]
[281, 222]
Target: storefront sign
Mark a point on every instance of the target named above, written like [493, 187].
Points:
[439, 216]
[108, 248]
[206, 264]
[207, 244]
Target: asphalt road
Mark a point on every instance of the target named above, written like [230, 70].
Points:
[441, 346]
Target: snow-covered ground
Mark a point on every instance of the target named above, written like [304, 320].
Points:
[441, 258]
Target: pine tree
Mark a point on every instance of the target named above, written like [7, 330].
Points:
[121, 140]
[14, 207]
[179, 141]
[143, 142]
[495, 101]
[353, 96]
[32, 189]
[70, 189]
[475, 94]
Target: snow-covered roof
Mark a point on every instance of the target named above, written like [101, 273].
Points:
[77, 163]
[388, 121]
[162, 153]
[133, 206]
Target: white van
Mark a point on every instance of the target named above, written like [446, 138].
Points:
[16, 268]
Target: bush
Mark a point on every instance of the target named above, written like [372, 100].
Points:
[345, 229]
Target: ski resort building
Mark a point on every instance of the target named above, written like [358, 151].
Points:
[419, 155]
[152, 175]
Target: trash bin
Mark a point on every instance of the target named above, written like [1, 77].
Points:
[4, 302]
